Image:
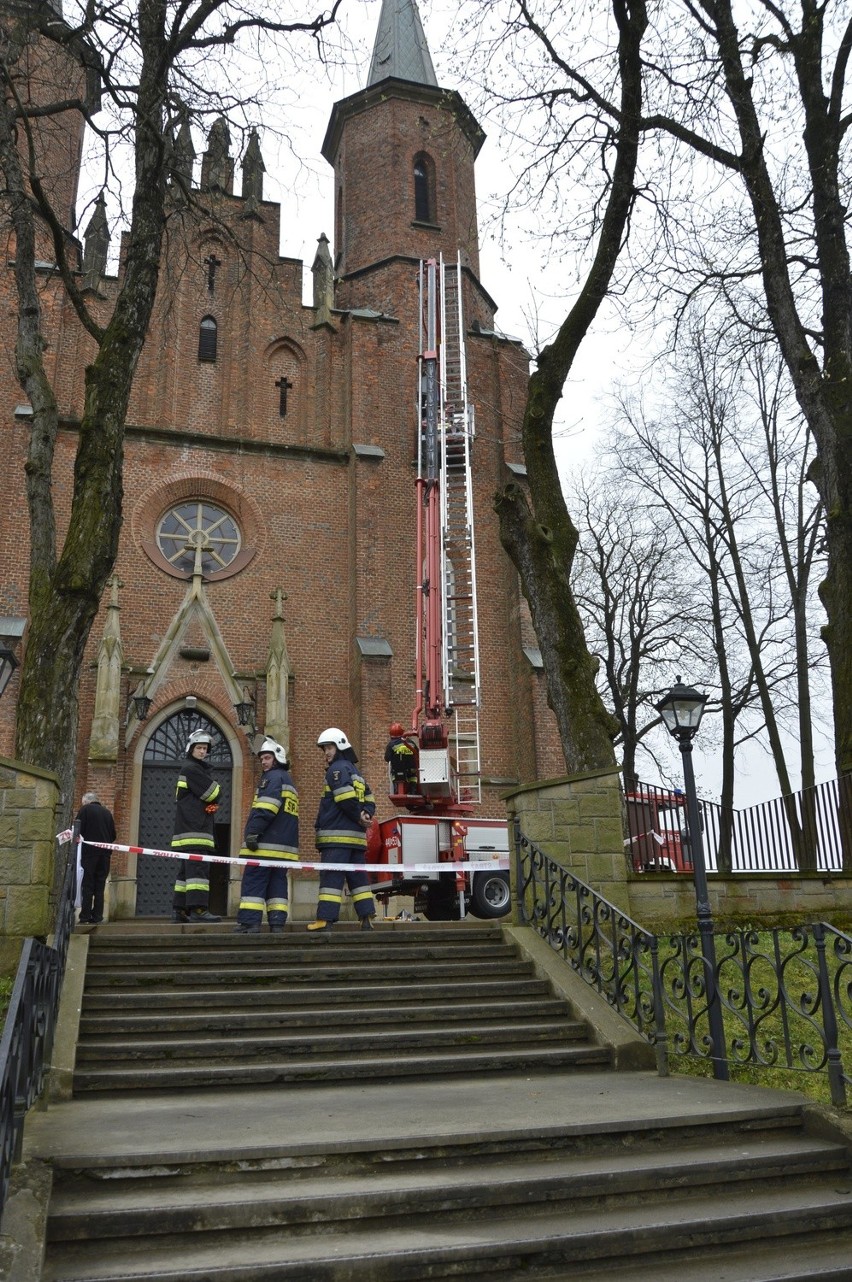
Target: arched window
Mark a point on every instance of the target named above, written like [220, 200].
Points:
[424, 188]
[168, 742]
[208, 334]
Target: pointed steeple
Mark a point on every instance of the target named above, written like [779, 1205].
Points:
[95, 245]
[400, 50]
[253, 169]
[217, 167]
[323, 273]
[183, 154]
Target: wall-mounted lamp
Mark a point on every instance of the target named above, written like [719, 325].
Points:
[11, 631]
[245, 712]
[141, 702]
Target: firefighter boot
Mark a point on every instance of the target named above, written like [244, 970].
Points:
[367, 922]
[179, 915]
[323, 927]
[202, 915]
[244, 928]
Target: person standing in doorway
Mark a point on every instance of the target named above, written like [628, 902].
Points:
[345, 813]
[271, 832]
[196, 795]
[94, 823]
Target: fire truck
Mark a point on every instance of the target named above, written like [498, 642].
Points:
[438, 820]
[658, 836]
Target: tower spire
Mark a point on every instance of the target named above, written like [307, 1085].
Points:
[401, 50]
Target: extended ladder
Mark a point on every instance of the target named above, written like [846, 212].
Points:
[461, 679]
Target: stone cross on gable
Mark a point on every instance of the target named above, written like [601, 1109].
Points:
[279, 596]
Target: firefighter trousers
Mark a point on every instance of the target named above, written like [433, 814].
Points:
[264, 888]
[192, 885]
[333, 880]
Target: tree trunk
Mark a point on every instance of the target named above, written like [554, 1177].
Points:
[541, 538]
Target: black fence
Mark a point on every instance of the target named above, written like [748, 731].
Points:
[807, 831]
[785, 995]
[27, 1039]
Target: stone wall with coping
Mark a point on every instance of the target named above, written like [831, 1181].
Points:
[29, 798]
[577, 821]
[660, 898]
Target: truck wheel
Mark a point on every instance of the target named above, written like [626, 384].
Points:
[491, 895]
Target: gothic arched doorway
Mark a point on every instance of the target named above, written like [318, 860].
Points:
[164, 752]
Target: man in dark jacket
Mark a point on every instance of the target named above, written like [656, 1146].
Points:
[271, 832]
[196, 795]
[345, 813]
[94, 823]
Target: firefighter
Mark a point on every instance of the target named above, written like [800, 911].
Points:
[196, 795]
[345, 813]
[271, 832]
[402, 760]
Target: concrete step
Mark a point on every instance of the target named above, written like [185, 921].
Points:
[465, 992]
[221, 935]
[405, 1009]
[281, 951]
[523, 1239]
[319, 968]
[328, 1042]
[353, 1068]
[170, 1205]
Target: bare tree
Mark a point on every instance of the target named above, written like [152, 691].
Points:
[736, 488]
[643, 608]
[145, 61]
[705, 111]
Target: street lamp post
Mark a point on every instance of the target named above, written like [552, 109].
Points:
[682, 709]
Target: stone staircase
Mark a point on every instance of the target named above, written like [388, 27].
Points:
[411, 1104]
[192, 1011]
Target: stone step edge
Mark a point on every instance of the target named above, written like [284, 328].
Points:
[594, 1236]
[327, 1198]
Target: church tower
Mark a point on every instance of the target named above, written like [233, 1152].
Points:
[403, 152]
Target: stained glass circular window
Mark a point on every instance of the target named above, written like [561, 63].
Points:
[198, 532]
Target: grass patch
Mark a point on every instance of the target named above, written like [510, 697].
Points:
[5, 995]
[768, 981]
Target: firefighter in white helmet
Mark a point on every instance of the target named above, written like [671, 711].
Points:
[271, 833]
[345, 813]
[197, 794]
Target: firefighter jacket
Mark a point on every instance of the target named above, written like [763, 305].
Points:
[399, 755]
[345, 795]
[274, 817]
[196, 789]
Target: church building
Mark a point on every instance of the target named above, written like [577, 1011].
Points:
[266, 576]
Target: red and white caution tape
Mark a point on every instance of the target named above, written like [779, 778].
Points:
[495, 863]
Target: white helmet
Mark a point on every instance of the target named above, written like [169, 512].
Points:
[335, 736]
[198, 736]
[270, 745]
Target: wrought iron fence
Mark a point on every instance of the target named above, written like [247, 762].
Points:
[27, 1039]
[807, 831]
[785, 994]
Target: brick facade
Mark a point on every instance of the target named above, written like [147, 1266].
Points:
[330, 523]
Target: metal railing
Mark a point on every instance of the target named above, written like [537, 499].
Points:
[806, 831]
[27, 1039]
[785, 994]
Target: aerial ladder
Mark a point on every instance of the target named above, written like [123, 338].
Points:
[446, 714]
[443, 823]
